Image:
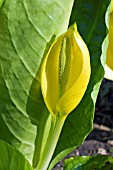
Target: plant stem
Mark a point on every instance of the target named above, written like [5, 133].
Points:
[39, 141]
[52, 140]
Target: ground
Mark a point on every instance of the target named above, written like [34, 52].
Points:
[100, 140]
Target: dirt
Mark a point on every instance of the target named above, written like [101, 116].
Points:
[100, 140]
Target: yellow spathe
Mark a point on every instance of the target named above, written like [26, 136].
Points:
[65, 72]
[109, 57]
[108, 73]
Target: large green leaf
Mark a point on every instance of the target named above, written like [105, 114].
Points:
[99, 162]
[12, 159]
[1, 1]
[90, 18]
[25, 28]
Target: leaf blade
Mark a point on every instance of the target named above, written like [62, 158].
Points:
[89, 162]
[12, 159]
[25, 29]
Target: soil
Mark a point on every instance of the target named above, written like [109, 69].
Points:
[100, 140]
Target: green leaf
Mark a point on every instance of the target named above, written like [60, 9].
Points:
[1, 2]
[25, 29]
[90, 18]
[99, 162]
[12, 159]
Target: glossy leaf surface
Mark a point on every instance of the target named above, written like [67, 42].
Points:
[100, 162]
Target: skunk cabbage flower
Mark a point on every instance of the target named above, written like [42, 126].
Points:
[109, 59]
[65, 72]
[109, 54]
